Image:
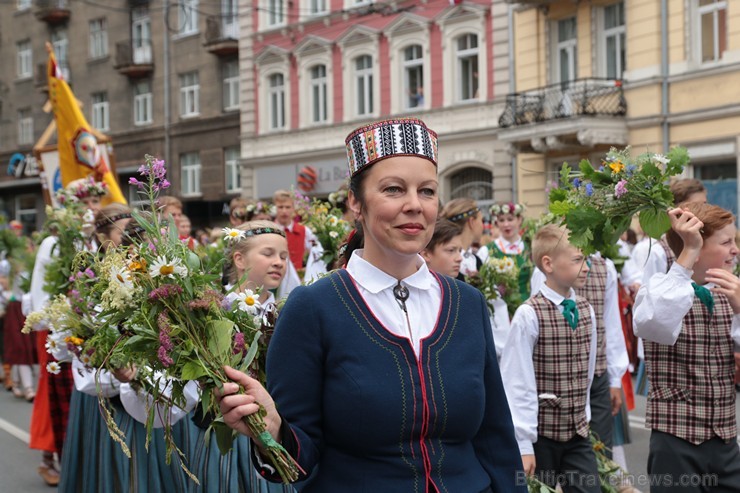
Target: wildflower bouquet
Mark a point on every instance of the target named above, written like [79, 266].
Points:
[71, 225]
[597, 205]
[168, 311]
[330, 230]
[611, 474]
[499, 278]
[534, 485]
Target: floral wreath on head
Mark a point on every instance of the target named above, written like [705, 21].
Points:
[262, 208]
[338, 197]
[507, 208]
[86, 187]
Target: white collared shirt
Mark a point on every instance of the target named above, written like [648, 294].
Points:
[517, 369]
[513, 248]
[662, 303]
[468, 266]
[423, 304]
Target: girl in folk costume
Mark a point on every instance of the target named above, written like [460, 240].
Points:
[466, 214]
[92, 461]
[257, 254]
[510, 243]
[689, 320]
[364, 365]
[51, 405]
[18, 349]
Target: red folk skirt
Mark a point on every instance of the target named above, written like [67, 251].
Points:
[19, 348]
[42, 433]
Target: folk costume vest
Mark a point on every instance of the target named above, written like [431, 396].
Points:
[692, 393]
[670, 257]
[594, 292]
[296, 244]
[561, 368]
[522, 262]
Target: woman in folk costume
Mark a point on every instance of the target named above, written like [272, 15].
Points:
[51, 405]
[92, 461]
[689, 321]
[510, 244]
[18, 349]
[364, 365]
[257, 254]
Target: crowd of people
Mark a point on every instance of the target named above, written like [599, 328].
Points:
[392, 369]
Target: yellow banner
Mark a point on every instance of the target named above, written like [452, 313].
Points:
[79, 155]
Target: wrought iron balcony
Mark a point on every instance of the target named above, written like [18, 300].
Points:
[577, 113]
[53, 12]
[134, 58]
[222, 35]
[564, 100]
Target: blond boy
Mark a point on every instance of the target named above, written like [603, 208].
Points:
[547, 366]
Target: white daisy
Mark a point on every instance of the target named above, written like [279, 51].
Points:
[333, 234]
[85, 359]
[51, 344]
[122, 277]
[166, 268]
[248, 302]
[333, 220]
[89, 216]
[232, 234]
[53, 368]
[661, 158]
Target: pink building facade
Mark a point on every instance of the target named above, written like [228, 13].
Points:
[312, 70]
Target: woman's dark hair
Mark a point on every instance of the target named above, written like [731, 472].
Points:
[355, 240]
[355, 186]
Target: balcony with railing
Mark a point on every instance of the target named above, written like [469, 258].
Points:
[575, 114]
[53, 12]
[134, 59]
[222, 35]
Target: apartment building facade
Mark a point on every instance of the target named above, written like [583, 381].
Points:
[602, 73]
[313, 70]
[159, 77]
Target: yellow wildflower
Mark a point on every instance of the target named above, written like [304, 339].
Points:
[616, 166]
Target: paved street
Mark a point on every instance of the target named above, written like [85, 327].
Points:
[18, 463]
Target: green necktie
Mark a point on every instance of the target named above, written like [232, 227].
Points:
[570, 313]
[705, 296]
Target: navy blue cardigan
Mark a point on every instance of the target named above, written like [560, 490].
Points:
[362, 414]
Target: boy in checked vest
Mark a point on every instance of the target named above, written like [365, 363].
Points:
[688, 320]
[601, 291]
[548, 365]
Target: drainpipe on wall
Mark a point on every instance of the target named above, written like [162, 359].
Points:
[664, 72]
[512, 88]
[166, 50]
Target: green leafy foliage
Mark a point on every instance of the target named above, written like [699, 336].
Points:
[598, 204]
